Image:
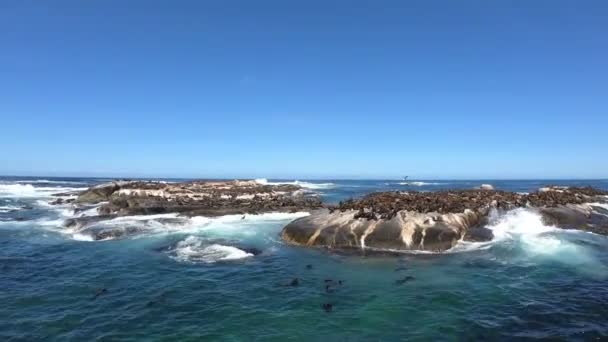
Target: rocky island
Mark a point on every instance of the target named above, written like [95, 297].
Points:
[397, 220]
[111, 201]
[436, 221]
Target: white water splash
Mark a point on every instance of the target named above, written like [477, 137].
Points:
[8, 208]
[306, 185]
[193, 249]
[19, 190]
[222, 226]
[421, 183]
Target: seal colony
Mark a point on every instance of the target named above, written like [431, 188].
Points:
[436, 221]
[432, 221]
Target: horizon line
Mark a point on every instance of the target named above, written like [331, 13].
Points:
[305, 179]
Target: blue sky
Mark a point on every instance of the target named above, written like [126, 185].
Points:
[304, 89]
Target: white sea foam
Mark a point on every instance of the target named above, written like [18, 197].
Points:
[193, 249]
[19, 190]
[8, 208]
[81, 237]
[222, 226]
[46, 181]
[421, 183]
[306, 185]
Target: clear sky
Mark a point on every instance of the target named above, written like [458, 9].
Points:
[304, 89]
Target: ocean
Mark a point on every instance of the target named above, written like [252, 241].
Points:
[200, 280]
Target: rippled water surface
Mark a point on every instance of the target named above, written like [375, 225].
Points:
[231, 278]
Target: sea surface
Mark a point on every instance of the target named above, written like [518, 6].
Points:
[201, 281]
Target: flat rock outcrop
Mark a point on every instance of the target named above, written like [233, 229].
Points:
[196, 198]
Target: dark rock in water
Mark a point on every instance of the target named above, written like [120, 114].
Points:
[328, 307]
[404, 280]
[479, 234]
[100, 292]
[251, 250]
[57, 201]
[115, 233]
[79, 222]
[585, 217]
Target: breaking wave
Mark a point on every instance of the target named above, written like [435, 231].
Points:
[46, 181]
[144, 225]
[8, 208]
[306, 185]
[29, 191]
[421, 183]
[194, 249]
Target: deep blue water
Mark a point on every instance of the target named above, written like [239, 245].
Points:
[195, 281]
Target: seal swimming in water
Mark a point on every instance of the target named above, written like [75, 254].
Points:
[99, 292]
[328, 307]
[404, 280]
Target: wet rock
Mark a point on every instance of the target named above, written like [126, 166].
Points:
[113, 233]
[80, 222]
[479, 234]
[251, 250]
[57, 201]
[585, 217]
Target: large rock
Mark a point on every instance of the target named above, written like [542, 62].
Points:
[436, 221]
[100, 193]
[406, 230]
[588, 217]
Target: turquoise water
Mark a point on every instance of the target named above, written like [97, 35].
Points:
[196, 281]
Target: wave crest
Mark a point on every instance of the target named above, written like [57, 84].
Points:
[306, 185]
[193, 249]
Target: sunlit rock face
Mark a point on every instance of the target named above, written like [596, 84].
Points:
[407, 230]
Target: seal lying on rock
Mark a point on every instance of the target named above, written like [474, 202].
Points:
[436, 221]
